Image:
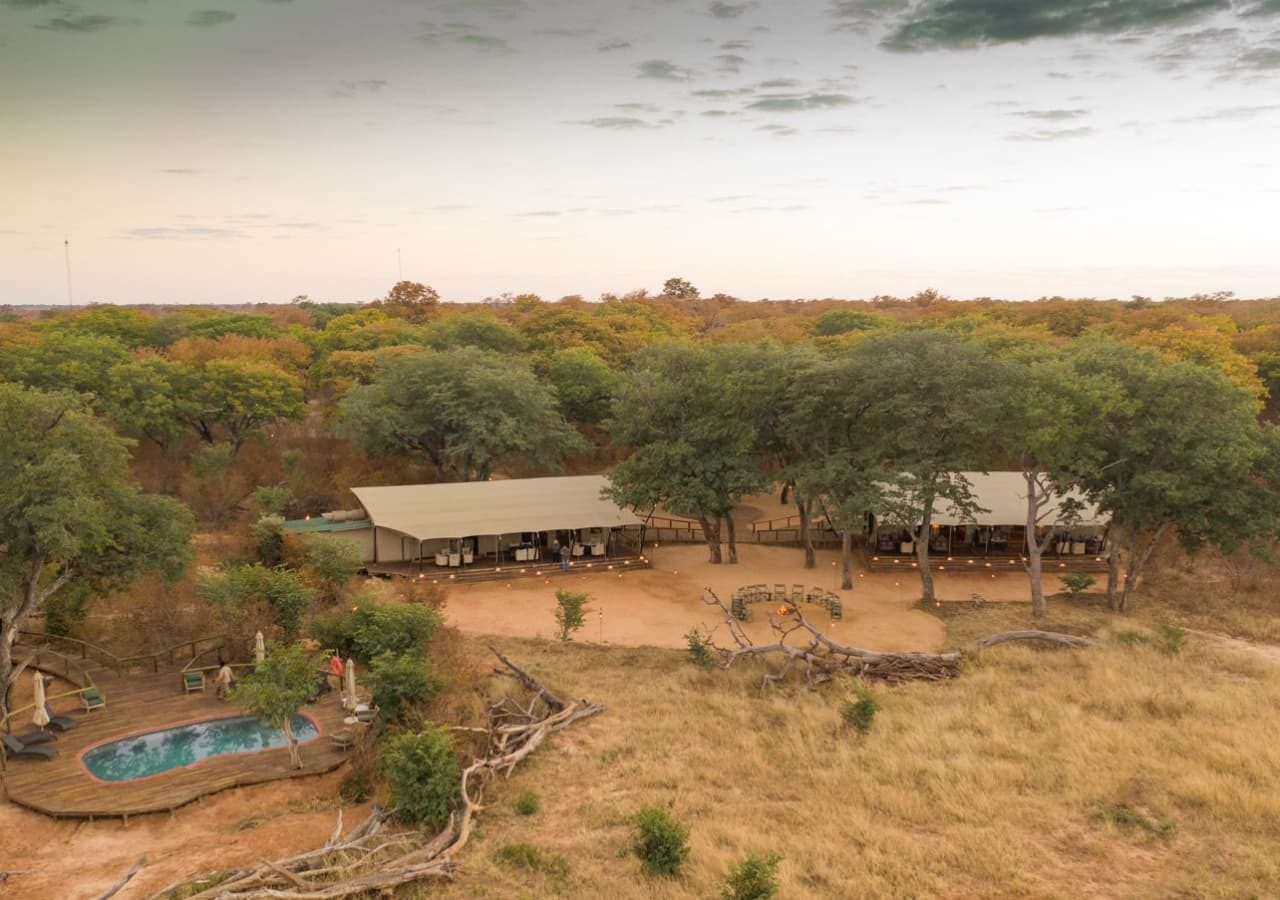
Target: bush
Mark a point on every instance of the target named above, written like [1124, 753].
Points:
[372, 629]
[859, 708]
[399, 682]
[662, 843]
[700, 649]
[423, 775]
[268, 540]
[755, 878]
[571, 613]
[235, 589]
[1076, 583]
[528, 803]
[331, 563]
[1172, 638]
[526, 856]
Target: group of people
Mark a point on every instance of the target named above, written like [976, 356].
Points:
[563, 553]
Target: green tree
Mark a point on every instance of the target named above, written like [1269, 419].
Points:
[410, 300]
[233, 399]
[571, 613]
[680, 289]
[331, 564]
[144, 397]
[935, 403]
[842, 321]
[755, 877]
[277, 689]
[465, 410]
[399, 683]
[475, 329]
[1166, 445]
[423, 775]
[372, 629]
[239, 591]
[70, 518]
[583, 382]
[692, 446]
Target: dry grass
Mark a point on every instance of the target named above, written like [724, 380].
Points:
[1120, 771]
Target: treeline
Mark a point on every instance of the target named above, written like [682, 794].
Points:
[280, 409]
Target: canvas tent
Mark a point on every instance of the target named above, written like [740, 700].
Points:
[410, 521]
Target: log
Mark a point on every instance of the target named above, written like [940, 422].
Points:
[125, 879]
[1051, 637]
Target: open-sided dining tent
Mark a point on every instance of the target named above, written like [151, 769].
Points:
[415, 520]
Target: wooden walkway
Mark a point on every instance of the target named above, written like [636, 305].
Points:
[507, 571]
[135, 704]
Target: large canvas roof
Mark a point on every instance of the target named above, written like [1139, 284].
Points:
[1004, 494]
[463, 509]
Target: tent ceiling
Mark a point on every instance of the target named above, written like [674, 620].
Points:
[464, 509]
[1004, 494]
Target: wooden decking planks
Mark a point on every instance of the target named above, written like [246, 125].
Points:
[136, 704]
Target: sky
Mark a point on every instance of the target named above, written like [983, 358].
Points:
[226, 151]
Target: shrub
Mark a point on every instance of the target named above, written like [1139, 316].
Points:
[1076, 583]
[662, 843]
[571, 613]
[399, 682]
[700, 649]
[754, 878]
[423, 775]
[235, 589]
[268, 539]
[859, 709]
[371, 629]
[331, 563]
[1123, 815]
[1172, 638]
[526, 856]
[528, 803]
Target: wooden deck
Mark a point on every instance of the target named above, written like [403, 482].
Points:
[507, 571]
[941, 562]
[61, 787]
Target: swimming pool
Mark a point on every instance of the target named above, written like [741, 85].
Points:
[142, 755]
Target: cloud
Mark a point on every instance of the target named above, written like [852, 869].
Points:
[616, 123]
[663, 70]
[611, 45]
[210, 18]
[29, 4]
[720, 10]
[730, 46]
[721, 93]
[777, 129]
[801, 102]
[464, 34]
[729, 198]
[778, 84]
[539, 214]
[942, 24]
[859, 15]
[84, 24]
[358, 88]
[181, 171]
[730, 62]
[1261, 59]
[1050, 115]
[1231, 114]
[636, 107]
[1051, 134]
[178, 234]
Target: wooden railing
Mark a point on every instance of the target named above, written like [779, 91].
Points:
[119, 664]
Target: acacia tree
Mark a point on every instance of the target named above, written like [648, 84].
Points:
[935, 401]
[70, 518]
[1163, 445]
[233, 399]
[277, 689]
[466, 410]
[692, 440]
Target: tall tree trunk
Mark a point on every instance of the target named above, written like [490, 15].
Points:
[846, 560]
[805, 506]
[1134, 565]
[711, 532]
[295, 758]
[1036, 498]
[733, 539]
[922, 550]
[15, 617]
[1115, 539]
[6, 666]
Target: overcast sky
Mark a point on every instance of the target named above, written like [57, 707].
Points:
[240, 150]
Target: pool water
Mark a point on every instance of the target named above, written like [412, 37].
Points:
[159, 751]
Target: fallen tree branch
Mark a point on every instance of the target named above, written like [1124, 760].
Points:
[365, 861]
[799, 642]
[125, 879]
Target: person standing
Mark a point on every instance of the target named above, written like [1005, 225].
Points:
[565, 553]
[223, 681]
[555, 549]
[336, 670]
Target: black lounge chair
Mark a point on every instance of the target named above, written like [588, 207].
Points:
[40, 736]
[62, 723]
[15, 748]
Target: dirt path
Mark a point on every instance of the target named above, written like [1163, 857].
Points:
[1269, 652]
[657, 607]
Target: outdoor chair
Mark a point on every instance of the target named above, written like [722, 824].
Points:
[342, 740]
[92, 699]
[797, 594]
[739, 608]
[779, 592]
[837, 609]
[39, 736]
[15, 748]
[193, 681]
[62, 723]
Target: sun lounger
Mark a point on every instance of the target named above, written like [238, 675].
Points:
[92, 699]
[193, 681]
[15, 748]
[34, 737]
[62, 723]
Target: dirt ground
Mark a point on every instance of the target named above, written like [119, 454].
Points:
[653, 607]
[656, 607]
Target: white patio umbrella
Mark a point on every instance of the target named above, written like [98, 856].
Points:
[349, 678]
[259, 648]
[41, 716]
